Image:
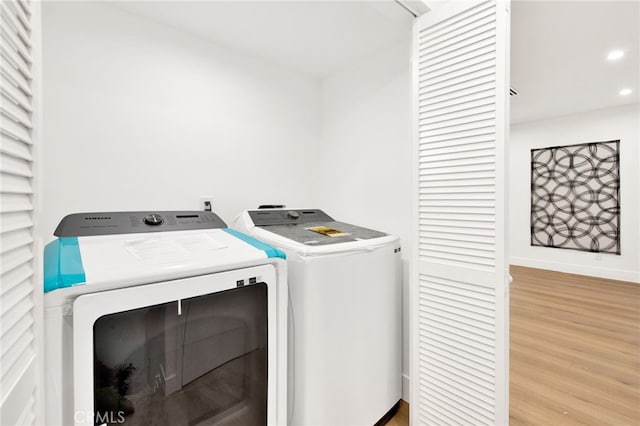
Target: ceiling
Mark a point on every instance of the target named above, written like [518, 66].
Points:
[316, 38]
[558, 56]
[558, 48]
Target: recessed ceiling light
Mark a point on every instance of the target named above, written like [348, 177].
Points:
[625, 92]
[615, 54]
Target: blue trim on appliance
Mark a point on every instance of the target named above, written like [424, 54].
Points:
[63, 264]
[270, 251]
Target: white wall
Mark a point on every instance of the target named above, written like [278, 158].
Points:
[364, 171]
[139, 116]
[602, 125]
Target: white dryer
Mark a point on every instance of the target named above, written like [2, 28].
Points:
[345, 360]
[166, 318]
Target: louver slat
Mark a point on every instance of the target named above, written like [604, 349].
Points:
[11, 36]
[12, 58]
[14, 111]
[12, 72]
[14, 94]
[15, 166]
[14, 147]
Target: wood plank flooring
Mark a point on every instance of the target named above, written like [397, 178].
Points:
[402, 416]
[575, 351]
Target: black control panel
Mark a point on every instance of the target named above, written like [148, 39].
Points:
[112, 223]
[288, 217]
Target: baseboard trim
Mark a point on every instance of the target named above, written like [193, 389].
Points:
[612, 274]
[405, 387]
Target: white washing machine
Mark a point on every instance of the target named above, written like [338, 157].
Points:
[166, 318]
[345, 360]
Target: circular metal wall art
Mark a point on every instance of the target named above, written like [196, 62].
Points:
[575, 197]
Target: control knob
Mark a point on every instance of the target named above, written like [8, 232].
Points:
[153, 219]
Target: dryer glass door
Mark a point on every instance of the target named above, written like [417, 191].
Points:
[195, 360]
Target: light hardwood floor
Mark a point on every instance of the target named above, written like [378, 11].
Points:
[575, 351]
[402, 416]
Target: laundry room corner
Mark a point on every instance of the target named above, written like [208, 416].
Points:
[364, 172]
[144, 111]
[141, 115]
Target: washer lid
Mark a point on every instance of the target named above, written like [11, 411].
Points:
[130, 259]
[311, 227]
[309, 232]
[324, 233]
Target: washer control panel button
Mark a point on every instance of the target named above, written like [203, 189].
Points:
[153, 219]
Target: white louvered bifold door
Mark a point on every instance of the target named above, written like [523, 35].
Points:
[459, 369]
[18, 366]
